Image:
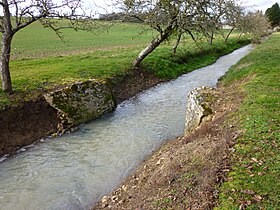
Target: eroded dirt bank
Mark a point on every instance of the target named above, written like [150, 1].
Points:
[30, 121]
[184, 172]
[25, 123]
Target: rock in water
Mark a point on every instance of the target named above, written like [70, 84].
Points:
[198, 106]
[83, 101]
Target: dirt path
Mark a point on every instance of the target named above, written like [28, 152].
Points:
[184, 172]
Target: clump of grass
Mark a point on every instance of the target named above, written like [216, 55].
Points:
[253, 181]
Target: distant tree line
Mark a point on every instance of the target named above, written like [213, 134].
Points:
[120, 16]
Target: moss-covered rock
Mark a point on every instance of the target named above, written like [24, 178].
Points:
[198, 107]
[83, 101]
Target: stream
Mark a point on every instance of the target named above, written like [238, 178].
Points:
[75, 171]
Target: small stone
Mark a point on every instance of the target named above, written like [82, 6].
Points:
[230, 199]
[248, 192]
[124, 188]
[104, 199]
[114, 198]
[248, 202]
[104, 205]
[159, 161]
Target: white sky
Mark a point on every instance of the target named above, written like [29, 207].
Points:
[256, 4]
[260, 4]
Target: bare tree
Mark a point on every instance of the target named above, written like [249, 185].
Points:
[18, 14]
[178, 17]
[233, 17]
[161, 16]
[255, 24]
[208, 20]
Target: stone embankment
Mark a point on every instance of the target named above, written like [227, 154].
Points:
[29, 121]
[83, 101]
[199, 108]
[55, 113]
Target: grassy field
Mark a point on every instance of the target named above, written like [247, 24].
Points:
[38, 42]
[40, 60]
[253, 182]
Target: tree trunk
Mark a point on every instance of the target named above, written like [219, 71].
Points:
[177, 43]
[5, 60]
[192, 36]
[231, 30]
[240, 35]
[153, 45]
[211, 38]
[7, 36]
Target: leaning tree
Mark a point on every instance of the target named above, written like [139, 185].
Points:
[18, 14]
[161, 15]
[232, 17]
[167, 17]
[178, 17]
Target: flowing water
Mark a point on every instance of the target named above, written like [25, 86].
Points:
[74, 171]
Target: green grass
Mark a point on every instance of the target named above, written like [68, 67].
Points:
[41, 61]
[254, 179]
[189, 57]
[38, 42]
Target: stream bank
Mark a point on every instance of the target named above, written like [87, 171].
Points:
[28, 122]
[72, 172]
[17, 125]
[184, 172]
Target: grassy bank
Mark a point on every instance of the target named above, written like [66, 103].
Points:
[45, 73]
[253, 182]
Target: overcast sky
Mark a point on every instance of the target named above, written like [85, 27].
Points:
[256, 4]
[260, 4]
